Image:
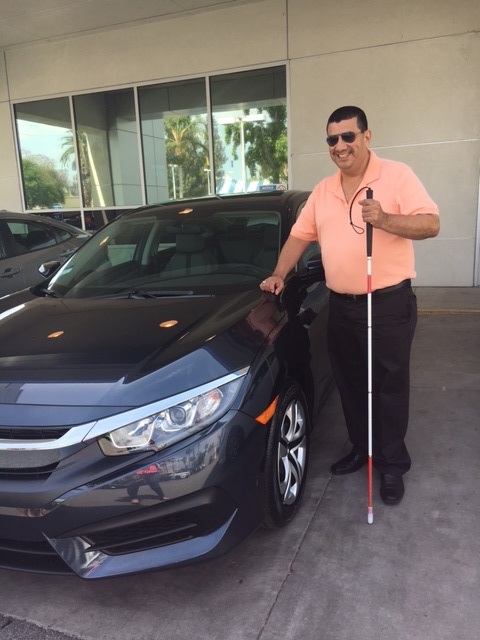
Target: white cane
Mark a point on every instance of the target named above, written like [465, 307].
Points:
[370, 366]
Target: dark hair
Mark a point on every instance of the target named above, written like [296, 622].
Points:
[345, 113]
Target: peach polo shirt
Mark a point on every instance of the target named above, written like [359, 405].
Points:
[325, 217]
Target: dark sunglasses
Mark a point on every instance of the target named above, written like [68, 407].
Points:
[348, 136]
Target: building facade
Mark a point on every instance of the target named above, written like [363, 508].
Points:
[129, 91]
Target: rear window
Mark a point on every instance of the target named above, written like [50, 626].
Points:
[31, 236]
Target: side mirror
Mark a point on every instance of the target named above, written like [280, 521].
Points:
[313, 272]
[48, 268]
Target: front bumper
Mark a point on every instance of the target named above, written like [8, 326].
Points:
[205, 499]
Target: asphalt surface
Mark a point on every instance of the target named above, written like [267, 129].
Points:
[411, 575]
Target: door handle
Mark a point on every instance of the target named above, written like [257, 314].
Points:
[10, 272]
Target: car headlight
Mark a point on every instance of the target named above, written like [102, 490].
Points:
[175, 423]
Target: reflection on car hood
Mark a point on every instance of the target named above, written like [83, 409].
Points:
[109, 355]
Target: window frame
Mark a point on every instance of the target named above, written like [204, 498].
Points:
[80, 212]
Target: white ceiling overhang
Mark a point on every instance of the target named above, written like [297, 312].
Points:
[23, 22]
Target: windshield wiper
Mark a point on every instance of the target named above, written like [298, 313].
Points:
[141, 294]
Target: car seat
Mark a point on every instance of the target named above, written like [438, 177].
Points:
[268, 254]
[191, 253]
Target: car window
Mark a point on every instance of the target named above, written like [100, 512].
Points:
[31, 236]
[152, 252]
[62, 234]
[121, 246]
[3, 250]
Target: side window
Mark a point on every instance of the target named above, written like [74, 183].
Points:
[31, 237]
[313, 249]
[3, 250]
[62, 235]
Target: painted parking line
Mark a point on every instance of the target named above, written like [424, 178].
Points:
[447, 311]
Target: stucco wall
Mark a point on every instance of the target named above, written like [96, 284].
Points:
[421, 98]
[239, 36]
[412, 66]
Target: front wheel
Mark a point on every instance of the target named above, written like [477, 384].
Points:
[286, 457]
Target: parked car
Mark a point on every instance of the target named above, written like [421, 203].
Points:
[27, 241]
[155, 405]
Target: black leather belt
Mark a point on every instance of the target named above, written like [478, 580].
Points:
[378, 292]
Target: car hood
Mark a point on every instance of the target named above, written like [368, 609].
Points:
[95, 358]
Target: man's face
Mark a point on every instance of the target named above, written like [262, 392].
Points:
[349, 156]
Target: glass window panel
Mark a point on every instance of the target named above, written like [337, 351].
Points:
[3, 249]
[97, 219]
[175, 140]
[108, 149]
[156, 250]
[250, 130]
[47, 154]
[31, 236]
[92, 220]
[63, 235]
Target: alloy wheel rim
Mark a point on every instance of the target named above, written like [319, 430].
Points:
[292, 453]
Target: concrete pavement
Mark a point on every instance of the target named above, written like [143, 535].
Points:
[412, 575]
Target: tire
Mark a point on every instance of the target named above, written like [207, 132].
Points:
[286, 457]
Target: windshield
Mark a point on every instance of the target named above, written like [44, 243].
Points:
[152, 253]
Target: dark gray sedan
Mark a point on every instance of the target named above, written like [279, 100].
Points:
[155, 404]
[26, 242]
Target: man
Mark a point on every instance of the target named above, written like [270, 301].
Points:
[336, 214]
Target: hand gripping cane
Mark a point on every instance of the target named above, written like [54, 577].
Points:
[369, 357]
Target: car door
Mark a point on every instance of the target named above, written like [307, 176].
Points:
[11, 270]
[28, 245]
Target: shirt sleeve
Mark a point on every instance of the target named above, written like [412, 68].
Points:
[412, 197]
[305, 227]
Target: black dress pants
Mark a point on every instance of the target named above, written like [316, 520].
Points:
[394, 316]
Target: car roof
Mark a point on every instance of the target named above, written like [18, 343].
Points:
[42, 219]
[270, 200]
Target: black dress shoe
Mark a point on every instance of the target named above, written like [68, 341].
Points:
[349, 464]
[391, 489]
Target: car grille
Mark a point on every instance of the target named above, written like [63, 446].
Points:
[27, 454]
[36, 557]
[35, 433]
[152, 533]
[34, 473]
